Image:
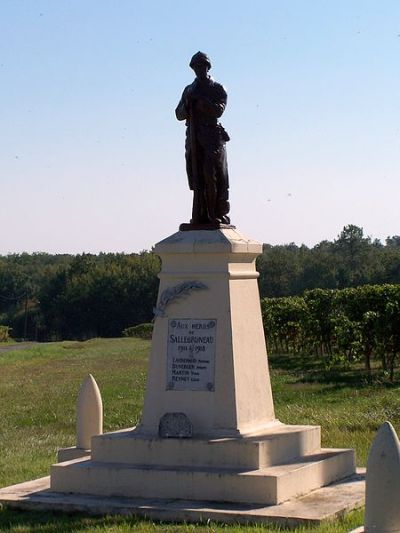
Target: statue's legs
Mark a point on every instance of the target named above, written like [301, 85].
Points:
[210, 182]
[216, 185]
[223, 204]
[199, 212]
[210, 190]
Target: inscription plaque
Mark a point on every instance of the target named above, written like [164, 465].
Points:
[191, 354]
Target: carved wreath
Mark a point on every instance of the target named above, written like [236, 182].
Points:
[173, 293]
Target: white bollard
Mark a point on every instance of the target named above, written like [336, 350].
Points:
[89, 420]
[382, 491]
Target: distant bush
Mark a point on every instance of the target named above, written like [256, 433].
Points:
[141, 331]
[4, 333]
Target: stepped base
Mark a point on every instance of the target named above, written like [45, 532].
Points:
[265, 469]
[279, 444]
[327, 503]
[268, 486]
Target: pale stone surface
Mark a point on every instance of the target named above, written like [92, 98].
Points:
[67, 454]
[382, 510]
[327, 503]
[271, 485]
[220, 241]
[241, 402]
[89, 420]
[282, 444]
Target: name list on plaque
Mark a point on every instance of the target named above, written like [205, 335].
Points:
[191, 354]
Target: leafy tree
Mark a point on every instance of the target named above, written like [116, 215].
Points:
[394, 241]
[100, 295]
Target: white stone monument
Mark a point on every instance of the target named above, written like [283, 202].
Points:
[208, 430]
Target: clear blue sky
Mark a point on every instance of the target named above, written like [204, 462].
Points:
[92, 157]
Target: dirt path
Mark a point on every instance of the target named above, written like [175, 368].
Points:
[12, 347]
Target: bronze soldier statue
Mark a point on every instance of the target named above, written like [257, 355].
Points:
[202, 103]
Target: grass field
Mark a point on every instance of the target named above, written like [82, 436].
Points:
[38, 389]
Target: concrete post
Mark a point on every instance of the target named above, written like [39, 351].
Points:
[89, 421]
[382, 493]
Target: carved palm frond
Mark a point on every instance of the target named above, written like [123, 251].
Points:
[173, 293]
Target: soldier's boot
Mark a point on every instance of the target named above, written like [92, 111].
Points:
[211, 194]
[223, 205]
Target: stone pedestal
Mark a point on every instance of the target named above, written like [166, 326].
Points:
[208, 430]
[208, 288]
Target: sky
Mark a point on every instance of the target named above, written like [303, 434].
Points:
[92, 156]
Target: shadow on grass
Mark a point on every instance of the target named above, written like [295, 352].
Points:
[309, 370]
[57, 522]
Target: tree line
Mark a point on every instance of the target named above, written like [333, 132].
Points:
[351, 260]
[52, 297]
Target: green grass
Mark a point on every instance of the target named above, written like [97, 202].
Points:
[38, 390]
[348, 407]
[24, 522]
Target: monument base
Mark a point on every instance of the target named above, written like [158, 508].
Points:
[269, 469]
[327, 503]
[208, 430]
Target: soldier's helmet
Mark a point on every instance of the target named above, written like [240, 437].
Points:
[200, 58]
